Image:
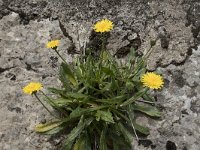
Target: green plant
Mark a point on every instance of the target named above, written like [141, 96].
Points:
[98, 101]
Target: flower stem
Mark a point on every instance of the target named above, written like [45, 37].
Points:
[43, 104]
[60, 55]
[148, 52]
[103, 41]
[52, 102]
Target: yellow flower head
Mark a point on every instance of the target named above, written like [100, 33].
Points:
[53, 44]
[104, 25]
[152, 80]
[32, 87]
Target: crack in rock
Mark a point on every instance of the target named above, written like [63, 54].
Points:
[5, 69]
[72, 48]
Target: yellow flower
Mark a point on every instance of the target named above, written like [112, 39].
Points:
[53, 44]
[104, 25]
[32, 87]
[152, 80]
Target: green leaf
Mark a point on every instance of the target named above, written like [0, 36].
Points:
[114, 100]
[141, 129]
[127, 135]
[149, 110]
[79, 70]
[114, 84]
[105, 55]
[135, 97]
[120, 144]
[148, 97]
[106, 87]
[115, 68]
[56, 91]
[140, 64]
[68, 73]
[103, 145]
[75, 132]
[107, 71]
[132, 54]
[83, 143]
[131, 58]
[81, 90]
[51, 101]
[130, 85]
[62, 101]
[104, 115]
[80, 111]
[139, 73]
[63, 79]
[54, 130]
[110, 86]
[131, 116]
[116, 146]
[118, 139]
[47, 126]
[77, 95]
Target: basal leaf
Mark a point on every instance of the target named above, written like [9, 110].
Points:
[118, 140]
[83, 143]
[81, 111]
[78, 112]
[107, 71]
[149, 110]
[148, 97]
[62, 101]
[135, 97]
[114, 100]
[56, 91]
[63, 79]
[103, 145]
[47, 126]
[75, 133]
[114, 84]
[127, 135]
[54, 130]
[141, 129]
[131, 116]
[68, 73]
[132, 54]
[130, 85]
[105, 56]
[76, 95]
[104, 115]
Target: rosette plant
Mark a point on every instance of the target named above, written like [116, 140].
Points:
[97, 105]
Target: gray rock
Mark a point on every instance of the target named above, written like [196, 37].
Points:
[26, 26]
[25, 58]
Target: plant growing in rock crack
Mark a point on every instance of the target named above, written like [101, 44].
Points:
[99, 98]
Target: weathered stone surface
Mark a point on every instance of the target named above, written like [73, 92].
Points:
[173, 24]
[24, 58]
[26, 26]
[180, 102]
